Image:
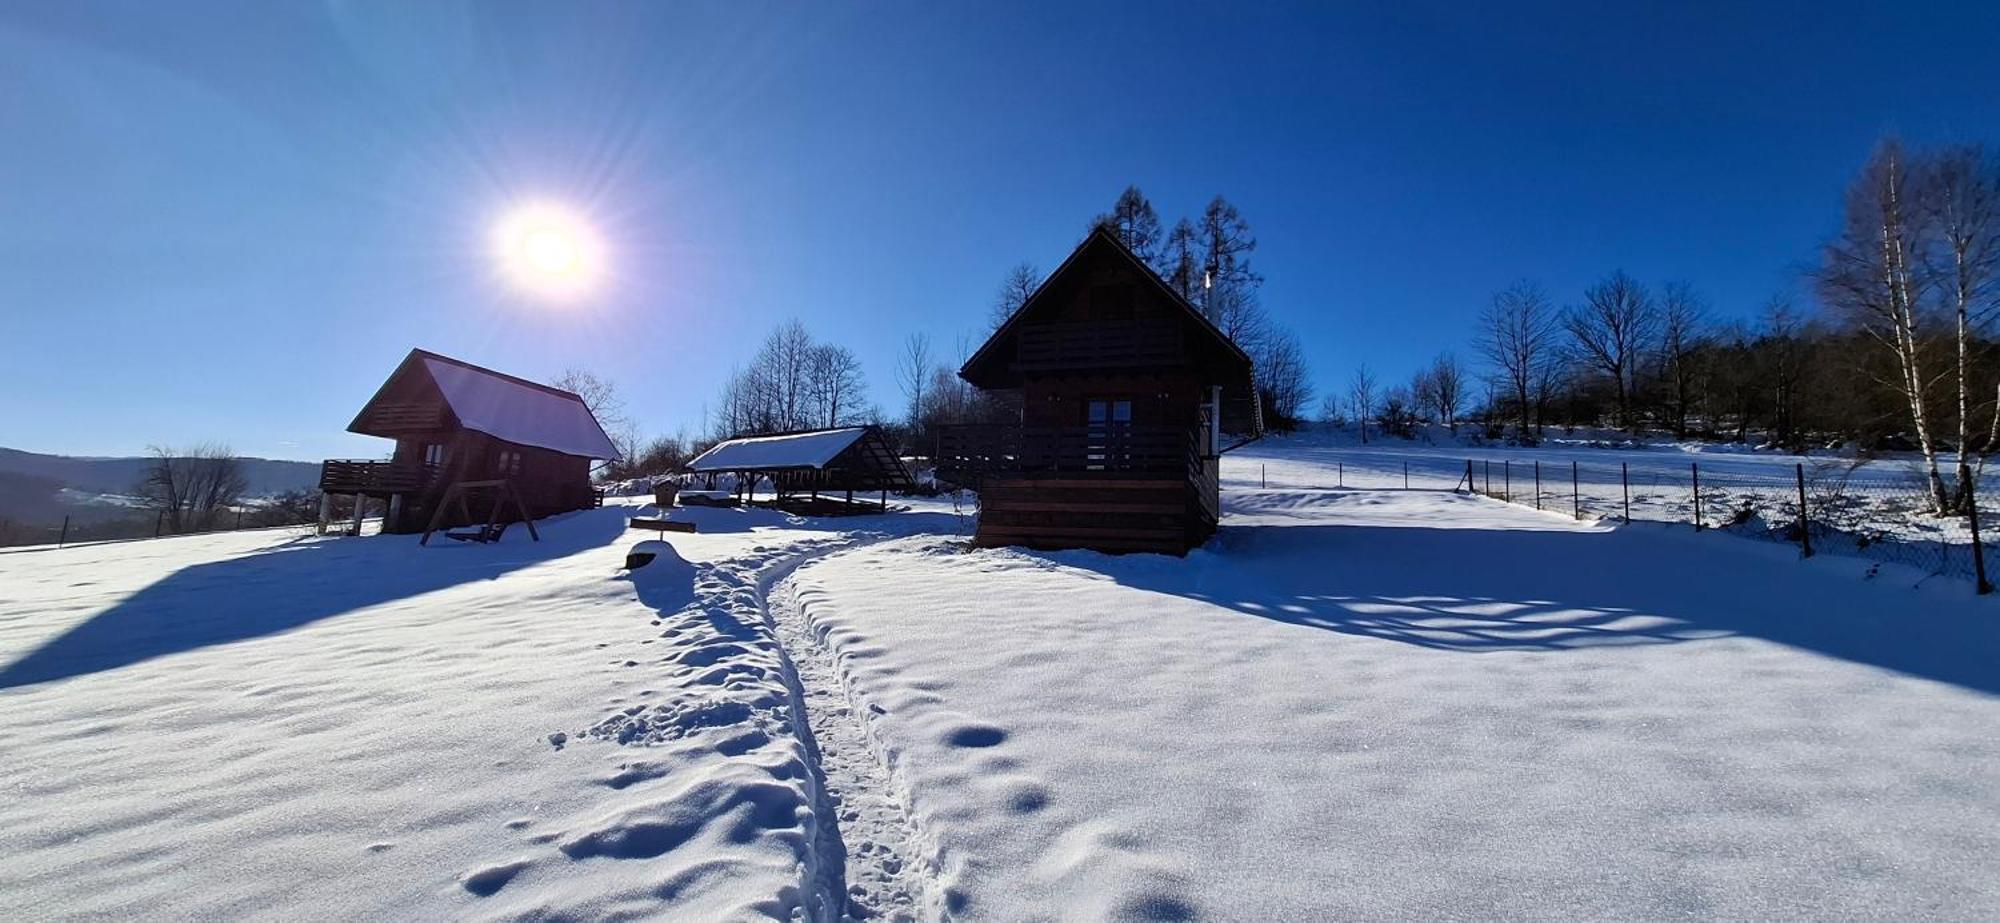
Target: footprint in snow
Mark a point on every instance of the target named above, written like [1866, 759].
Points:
[488, 881]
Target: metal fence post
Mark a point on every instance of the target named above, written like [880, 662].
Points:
[64, 537]
[1575, 494]
[1489, 478]
[1805, 521]
[1260, 477]
[1340, 474]
[1978, 548]
[1406, 475]
[1625, 478]
[1538, 484]
[1507, 480]
[1695, 469]
[159, 522]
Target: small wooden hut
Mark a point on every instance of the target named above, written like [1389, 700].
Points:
[459, 423]
[806, 468]
[1126, 393]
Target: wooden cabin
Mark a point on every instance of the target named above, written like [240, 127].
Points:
[811, 471]
[455, 422]
[1126, 393]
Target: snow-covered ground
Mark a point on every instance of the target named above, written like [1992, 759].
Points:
[1355, 703]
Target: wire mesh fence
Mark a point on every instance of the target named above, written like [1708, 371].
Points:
[1824, 507]
[1877, 510]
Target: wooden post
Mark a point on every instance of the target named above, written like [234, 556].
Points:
[325, 511]
[1507, 480]
[64, 537]
[885, 499]
[394, 518]
[1575, 493]
[159, 523]
[359, 502]
[1538, 484]
[1625, 478]
[1981, 585]
[1805, 522]
[1695, 469]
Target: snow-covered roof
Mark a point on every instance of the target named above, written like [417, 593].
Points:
[791, 450]
[518, 411]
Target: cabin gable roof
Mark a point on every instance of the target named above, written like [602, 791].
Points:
[429, 390]
[991, 366]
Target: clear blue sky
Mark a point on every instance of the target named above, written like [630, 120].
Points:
[229, 221]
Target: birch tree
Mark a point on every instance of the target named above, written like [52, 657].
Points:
[1960, 202]
[1873, 275]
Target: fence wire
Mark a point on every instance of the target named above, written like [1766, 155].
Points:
[1824, 507]
[1875, 510]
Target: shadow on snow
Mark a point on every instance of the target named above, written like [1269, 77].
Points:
[1476, 590]
[292, 585]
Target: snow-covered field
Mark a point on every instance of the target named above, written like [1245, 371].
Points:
[1355, 703]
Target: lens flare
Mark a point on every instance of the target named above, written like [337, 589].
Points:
[548, 251]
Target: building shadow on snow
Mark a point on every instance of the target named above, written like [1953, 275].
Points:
[1472, 590]
[293, 585]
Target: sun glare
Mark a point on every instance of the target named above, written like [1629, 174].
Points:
[548, 251]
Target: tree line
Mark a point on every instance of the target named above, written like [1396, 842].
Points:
[1895, 352]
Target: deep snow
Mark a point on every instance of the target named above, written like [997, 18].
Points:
[1387, 705]
[1353, 704]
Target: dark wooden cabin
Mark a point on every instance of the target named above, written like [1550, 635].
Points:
[1126, 392]
[457, 422]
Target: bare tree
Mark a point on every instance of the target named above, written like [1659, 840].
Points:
[191, 487]
[913, 373]
[1873, 275]
[1447, 389]
[1611, 330]
[1361, 396]
[1281, 378]
[834, 385]
[1960, 203]
[1181, 261]
[1225, 242]
[598, 394]
[1683, 318]
[1021, 282]
[1136, 225]
[1516, 334]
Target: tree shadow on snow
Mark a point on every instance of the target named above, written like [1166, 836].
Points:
[292, 585]
[1481, 590]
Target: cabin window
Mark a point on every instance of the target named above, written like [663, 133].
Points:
[434, 453]
[508, 462]
[1109, 412]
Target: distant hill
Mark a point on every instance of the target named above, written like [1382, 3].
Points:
[41, 489]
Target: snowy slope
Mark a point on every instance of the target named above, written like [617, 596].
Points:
[253, 725]
[1379, 705]
[1354, 704]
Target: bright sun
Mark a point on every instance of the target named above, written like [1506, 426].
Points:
[548, 251]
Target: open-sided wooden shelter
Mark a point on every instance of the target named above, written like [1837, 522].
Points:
[1126, 392]
[812, 462]
[455, 422]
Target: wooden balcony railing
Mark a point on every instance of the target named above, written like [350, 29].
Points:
[967, 454]
[355, 476]
[1099, 345]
